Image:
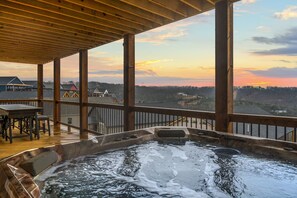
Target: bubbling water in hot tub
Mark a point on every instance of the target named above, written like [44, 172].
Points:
[170, 170]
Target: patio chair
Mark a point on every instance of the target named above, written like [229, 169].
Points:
[44, 119]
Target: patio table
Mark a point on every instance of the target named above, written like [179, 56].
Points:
[20, 111]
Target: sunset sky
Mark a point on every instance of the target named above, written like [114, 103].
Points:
[183, 53]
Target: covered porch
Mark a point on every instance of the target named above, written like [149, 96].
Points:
[43, 31]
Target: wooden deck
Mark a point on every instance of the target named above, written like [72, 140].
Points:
[22, 144]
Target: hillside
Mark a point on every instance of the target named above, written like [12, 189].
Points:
[253, 100]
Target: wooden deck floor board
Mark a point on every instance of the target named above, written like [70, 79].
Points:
[22, 144]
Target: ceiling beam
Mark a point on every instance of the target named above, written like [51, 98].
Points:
[153, 8]
[47, 17]
[131, 11]
[41, 39]
[33, 32]
[90, 16]
[175, 6]
[114, 11]
[71, 16]
[105, 18]
[196, 4]
[11, 19]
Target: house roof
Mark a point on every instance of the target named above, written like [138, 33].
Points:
[37, 31]
[68, 86]
[4, 80]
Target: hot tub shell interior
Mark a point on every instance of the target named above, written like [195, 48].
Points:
[17, 172]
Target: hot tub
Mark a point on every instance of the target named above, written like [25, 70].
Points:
[155, 162]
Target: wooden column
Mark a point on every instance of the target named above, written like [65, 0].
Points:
[224, 65]
[83, 93]
[57, 105]
[40, 85]
[129, 81]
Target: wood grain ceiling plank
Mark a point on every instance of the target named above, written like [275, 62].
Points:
[131, 11]
[196, 4]
[153, 8]
[116, 15]
[43, 16]
[33, 32]
[85, 20]
[105, 18]
[49, 27]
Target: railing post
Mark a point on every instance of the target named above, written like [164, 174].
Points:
[224, 65]
[57, 105]
[40, 85]
[129, 82]
[83, 93]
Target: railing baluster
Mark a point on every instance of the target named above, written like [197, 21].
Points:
[152, 122]
[196, 123]
[295, 134]
[236, 127]
[259, 128]
[285, 133]
[251, 129]
[158, 121]
[212, 125]
[201, 123]
[206, 125]
[267, 131]
[243, 132]
[142, 120]
[139, 119]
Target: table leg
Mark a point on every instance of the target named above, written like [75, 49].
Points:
[31, 127]
[37, 126]
[10, 130]
[21, 125]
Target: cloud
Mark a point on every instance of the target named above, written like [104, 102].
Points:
[288, 40]
[248, 1]
[157, 80]
[172, 32]
[287, 51]
[151, 62]
[148, 72]
[289, 13]
[107, 72]
[263, 28]
[159, 38]
[276, 72]
[285, 61]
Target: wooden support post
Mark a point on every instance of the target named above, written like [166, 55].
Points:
[129, 82]
[57, 105]
[40, 85]
[83, 93]
[224, 65]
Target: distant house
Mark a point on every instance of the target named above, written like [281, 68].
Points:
[99, 92]
[32, 83]
[181, 94]
[12, 83]
[69, 87]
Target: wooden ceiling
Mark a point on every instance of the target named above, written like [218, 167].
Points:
[37, 31]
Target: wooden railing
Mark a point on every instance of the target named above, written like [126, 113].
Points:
[31, 102]
[152, 116]
[272, 127]
[109, 118]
